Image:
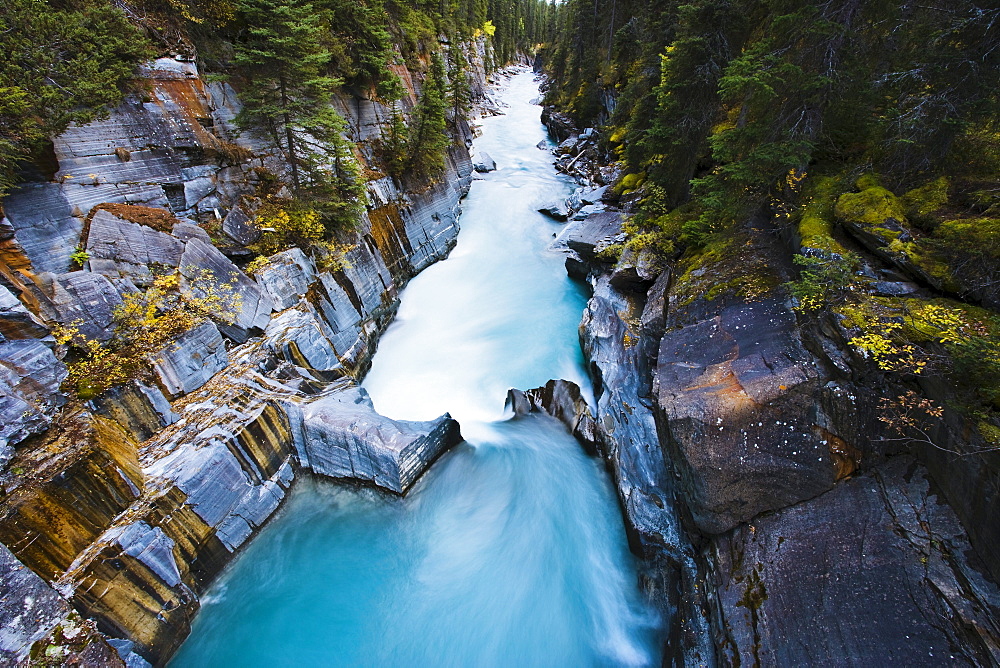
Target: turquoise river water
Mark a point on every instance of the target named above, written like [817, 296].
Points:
[510, 551]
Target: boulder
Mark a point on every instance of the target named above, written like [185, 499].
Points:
[302, 338]
[30, 376]
[237, 226]
[122, 249]
[590, 236]
[346, 438]
[874, 572]
[556, 211]
[286, 277]
[742, 402]
[563, 400]
[484, 163]
[189, 362]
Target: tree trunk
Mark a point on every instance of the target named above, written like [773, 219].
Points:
[289, 139]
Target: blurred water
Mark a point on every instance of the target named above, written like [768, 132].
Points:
[511, 550]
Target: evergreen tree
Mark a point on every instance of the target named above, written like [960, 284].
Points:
[283, 62]
[428, 136]
[62, 63]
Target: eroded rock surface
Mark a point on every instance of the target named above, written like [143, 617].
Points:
[874, 572]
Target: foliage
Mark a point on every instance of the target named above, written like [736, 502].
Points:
[823, 280]
[145, 323]
[63, 63]
[79, 256]
[288, 223]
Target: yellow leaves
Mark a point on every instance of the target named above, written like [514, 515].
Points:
[145, 322]
[889, 353]
[489, 28]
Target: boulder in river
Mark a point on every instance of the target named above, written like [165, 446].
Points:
[484, 163]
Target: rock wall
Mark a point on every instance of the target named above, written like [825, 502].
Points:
[123, 509]
[774, 522]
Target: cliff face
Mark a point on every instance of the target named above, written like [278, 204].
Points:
[125, 507]
[777, 519]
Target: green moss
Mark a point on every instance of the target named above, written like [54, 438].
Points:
[870, 208]
[972, 234]
[630, 182]
[923, 201]
[723, 267]
[866, 181]
[816, 225]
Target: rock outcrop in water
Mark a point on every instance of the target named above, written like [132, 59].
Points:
[123, 509]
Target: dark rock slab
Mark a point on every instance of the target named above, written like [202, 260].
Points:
[85, 298]
[286, 277]
[238, 227]
[874, 572]
[740, 398]
[590, 236]
[122, 249]
[140, 408]
[255, 306]
[563, 400]
[556, 211]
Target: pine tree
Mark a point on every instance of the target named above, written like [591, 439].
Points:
[429, 130]
[284, 63]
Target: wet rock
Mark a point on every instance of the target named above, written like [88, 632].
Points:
[302, 338]
[122, 249]
[740, 398]
[614, 348]
[563, 400]
[29, 608]
[559, 125]
[17, 322]
[85, 298]
[556, 211]
[593, 195]
[346, 438]
[484, 163]
[189, 362]
[140, 408]
[286, 277]
[590, 236]
[874, 572]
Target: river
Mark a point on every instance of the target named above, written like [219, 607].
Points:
[510, 551]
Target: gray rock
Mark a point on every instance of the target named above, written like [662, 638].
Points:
[82, 297]
[122, 249]
[484, 163]
[185, 231]
[346, 438]
[30, 376]
[874, 572]
[593, 195]
[636, 270]
[200, 257]
[300, 337]
[588, 237]
[17, 322]
[740, 397]
[287, 277]
[238, 227]
[189, 362]
[29, 608]
[556, 211]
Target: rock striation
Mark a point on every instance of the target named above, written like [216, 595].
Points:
[123, 509]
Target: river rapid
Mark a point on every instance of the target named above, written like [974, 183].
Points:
[510, 551]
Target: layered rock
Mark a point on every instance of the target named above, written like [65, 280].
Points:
[873, 572]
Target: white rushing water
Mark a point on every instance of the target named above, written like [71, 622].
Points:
[510, 551]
